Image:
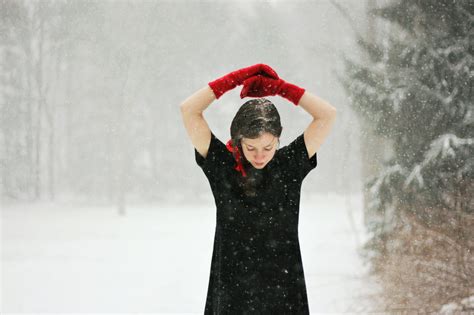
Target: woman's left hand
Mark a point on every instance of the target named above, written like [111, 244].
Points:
[237, 77]
[260, 86]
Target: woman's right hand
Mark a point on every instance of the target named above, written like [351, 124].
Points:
[237, 77]
[260, 86]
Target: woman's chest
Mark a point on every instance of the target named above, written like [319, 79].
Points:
[273, 203]
[257, 189]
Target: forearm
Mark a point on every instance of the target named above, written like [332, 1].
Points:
[198, 102]
[316, 106]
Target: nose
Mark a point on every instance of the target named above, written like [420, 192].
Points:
[260, 158]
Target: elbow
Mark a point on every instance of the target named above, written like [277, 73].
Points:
[184, 108]
[331, 113]
[188, 110]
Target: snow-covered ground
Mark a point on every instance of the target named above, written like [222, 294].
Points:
[58, 258]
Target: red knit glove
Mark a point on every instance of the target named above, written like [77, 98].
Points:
[260, 86]
[231, 80]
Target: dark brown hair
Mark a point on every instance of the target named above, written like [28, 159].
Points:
[254, 118]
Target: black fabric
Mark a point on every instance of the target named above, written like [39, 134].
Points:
[256, 264]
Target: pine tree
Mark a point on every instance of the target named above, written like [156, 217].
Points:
[416, 92]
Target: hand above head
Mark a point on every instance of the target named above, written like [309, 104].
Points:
[260, 86]
[237, 77]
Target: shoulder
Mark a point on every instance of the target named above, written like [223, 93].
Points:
[295, 159]
[217, 155]
[294, 147]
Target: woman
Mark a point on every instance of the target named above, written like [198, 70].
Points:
[256, 264]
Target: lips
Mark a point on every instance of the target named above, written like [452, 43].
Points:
[259, 164]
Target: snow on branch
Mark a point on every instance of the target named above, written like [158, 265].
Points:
[444, 146]
[441, 148]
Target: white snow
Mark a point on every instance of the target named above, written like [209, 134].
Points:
[444, 146]
[58, 258]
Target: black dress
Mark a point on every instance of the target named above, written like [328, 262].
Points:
[256, 264]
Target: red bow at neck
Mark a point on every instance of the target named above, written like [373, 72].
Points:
[238, 157]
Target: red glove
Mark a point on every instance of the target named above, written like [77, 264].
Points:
[259, 86]
[231, 80]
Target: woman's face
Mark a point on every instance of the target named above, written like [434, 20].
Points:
[261, 150]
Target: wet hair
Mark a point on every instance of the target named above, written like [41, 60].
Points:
[254, 118]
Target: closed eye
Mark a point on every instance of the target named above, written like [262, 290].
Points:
[265, 149]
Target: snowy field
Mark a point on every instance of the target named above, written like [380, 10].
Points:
[58, 258]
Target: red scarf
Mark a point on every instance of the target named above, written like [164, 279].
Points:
[238, 157]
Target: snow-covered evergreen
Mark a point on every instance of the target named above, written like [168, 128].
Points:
[416, 91]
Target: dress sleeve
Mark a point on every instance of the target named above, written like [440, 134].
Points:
[296, 159]
[216, 160]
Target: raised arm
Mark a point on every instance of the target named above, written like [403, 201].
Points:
[193, 107]
[196, 126]
[324, 115]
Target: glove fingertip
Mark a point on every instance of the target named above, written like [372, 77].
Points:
[270, 72]
[243, 92]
